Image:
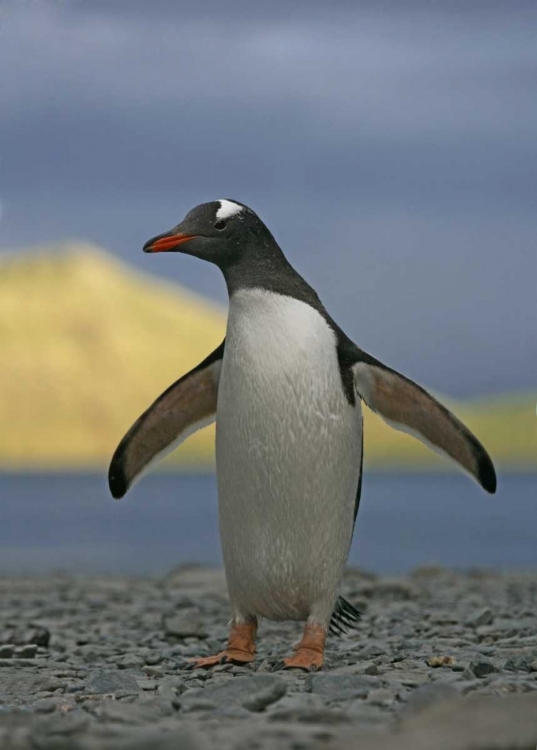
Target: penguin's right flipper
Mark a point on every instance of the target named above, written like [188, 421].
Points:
[185, 407]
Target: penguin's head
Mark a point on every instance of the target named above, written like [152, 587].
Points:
[221, 232]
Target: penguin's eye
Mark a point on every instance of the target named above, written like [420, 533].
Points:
[220, 225]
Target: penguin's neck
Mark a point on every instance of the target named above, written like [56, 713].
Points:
[267, 268]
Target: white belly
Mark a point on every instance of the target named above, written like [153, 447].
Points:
[288, 459]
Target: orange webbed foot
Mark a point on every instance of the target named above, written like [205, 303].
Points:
[240, 648]
[309, 654]
[229, 656]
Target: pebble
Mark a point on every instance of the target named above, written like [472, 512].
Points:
[110, 669]
[381, 696]
[126, 713]
[45, 705]
[186, 623]
[431, 694]
[147, 684]
[110, 682]
[518, 664]
[253, 693]
[372, 649]
[482, 668]
[482, 616]
[413, 678]
[130, 661]
[336, 687]
[261, 698]
[23, 636]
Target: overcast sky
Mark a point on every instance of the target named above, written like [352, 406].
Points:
[389, 146]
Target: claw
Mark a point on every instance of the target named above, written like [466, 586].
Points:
[278, 666]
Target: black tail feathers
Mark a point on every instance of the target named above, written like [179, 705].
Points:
[344, 617]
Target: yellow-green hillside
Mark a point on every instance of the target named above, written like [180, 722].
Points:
[87, 343]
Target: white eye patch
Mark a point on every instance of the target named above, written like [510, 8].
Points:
[227, 209]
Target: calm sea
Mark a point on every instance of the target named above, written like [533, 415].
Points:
[70, 522]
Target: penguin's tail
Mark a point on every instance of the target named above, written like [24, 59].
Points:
[344, 618]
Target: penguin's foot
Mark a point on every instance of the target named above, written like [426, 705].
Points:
[240, 648]
[309, 654]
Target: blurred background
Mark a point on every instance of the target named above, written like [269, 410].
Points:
[391, 149]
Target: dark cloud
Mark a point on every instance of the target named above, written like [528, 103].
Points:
[392, 153]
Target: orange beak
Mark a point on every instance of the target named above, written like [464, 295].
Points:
[167, 242]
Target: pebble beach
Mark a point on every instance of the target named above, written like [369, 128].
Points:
[439, 659]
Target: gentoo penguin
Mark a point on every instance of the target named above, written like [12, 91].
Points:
[285, 388]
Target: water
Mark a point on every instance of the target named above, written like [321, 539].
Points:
[70, 522]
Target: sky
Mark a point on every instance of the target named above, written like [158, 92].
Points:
[391, 148]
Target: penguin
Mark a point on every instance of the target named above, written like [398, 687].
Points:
[285, 388]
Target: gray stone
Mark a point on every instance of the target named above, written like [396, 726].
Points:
[265, 697]
[153, 671]
[482, 668]
[173, 682]
[34, 634]
[156, 739]
[102, 624]
[341, 687]
[65, 724]
[310, 715]
[76, 688]
[372, 669]
[372, 649]
[480, 617]
[406, 664]
[254, 693]
[519, 664]
[429, 695]
[130, 661]
[153, 659]
[381, 696]
[296, 706]
[477, 723]
[365, 715]
[411, 678]
[44, 705]
[147, 684]
[103, 682]
[127, 713]
[186, 623]
[362, 667]
[192, 701]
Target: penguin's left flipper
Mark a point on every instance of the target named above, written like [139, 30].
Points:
[185, 407]
[406, 406]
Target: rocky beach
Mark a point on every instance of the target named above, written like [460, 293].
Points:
[439, 659]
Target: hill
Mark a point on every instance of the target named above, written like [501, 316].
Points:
[87, 343]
